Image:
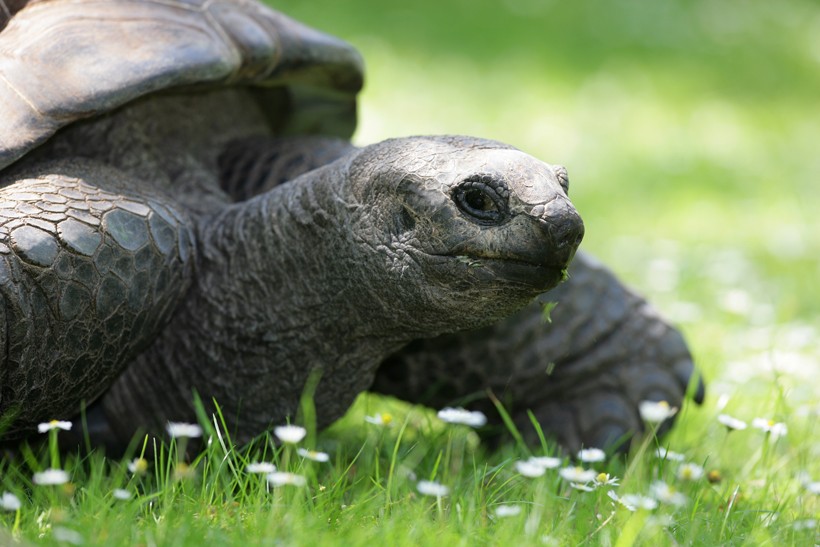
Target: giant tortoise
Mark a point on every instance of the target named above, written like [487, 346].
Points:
[181, 215]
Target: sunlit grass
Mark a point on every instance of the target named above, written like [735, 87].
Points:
[423, 480]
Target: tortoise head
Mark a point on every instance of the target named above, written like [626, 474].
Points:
[469, 216]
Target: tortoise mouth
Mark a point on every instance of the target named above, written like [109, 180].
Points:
[538, 276]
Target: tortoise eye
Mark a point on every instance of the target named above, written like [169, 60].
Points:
[480, 201]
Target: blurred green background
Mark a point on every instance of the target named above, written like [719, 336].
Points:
[691, 131]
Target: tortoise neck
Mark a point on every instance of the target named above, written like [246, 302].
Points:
[287, 259]
[276, 296]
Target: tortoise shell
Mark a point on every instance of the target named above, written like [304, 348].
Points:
[101, 54]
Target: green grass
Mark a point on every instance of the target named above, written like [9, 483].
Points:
[690, 130]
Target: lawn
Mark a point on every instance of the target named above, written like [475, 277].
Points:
[690, 130]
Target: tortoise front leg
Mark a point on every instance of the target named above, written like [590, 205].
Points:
[92, 265]
[583, 375]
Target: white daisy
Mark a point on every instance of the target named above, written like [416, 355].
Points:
[182, 430]
[666, 454]
[9, 502]
[666, 494]
[690, 472]
[591, 455]
[260, 467]
[67, 535]
[384, 419]
[604, 479]
[581, 487]
[313, 455]
[183, 471]
[431, 488]
[281, 478]
[463, 416]
[656, 411]
[502, 511]
[138, 466]
[529, 469]
[290, 434]
[805, 524]
[53, 424]
[50, 477]
[731, 423]
[633, 502]
[577, 474]
[547, 462]
[775, 429]
[122, 494]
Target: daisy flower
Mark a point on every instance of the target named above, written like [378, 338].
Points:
[463, 416]
[182, 430]
[503, 511]
[122, 494]
[281, 478]
[547, 462]
[577, 474]
[9, 502]
[183, 471]
[633, 502]
[656, 412]
[431, 488]
[731, 423]
[290, 434]
[383, 419]
[666, 454]
[776, 429]
[313, 455]
[260, 467]
[138, 466]
[666, 494]
[53, 424]
[581, 487]
[603, 479]
[591, 455]
[67, 535]
[529, 469]
[50, 477]
[690, 472]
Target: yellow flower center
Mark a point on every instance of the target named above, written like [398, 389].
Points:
[663, 404]
[686, 472]
[387, 418]
[602, 477]
[140, 465]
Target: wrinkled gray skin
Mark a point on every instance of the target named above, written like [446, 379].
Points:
[333, 271]
[583, 373]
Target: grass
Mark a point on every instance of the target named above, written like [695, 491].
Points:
[690, 132]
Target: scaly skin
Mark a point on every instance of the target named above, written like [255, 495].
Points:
[583, 374]
[86, 257]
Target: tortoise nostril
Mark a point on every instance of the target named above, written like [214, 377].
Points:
[564, 231]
